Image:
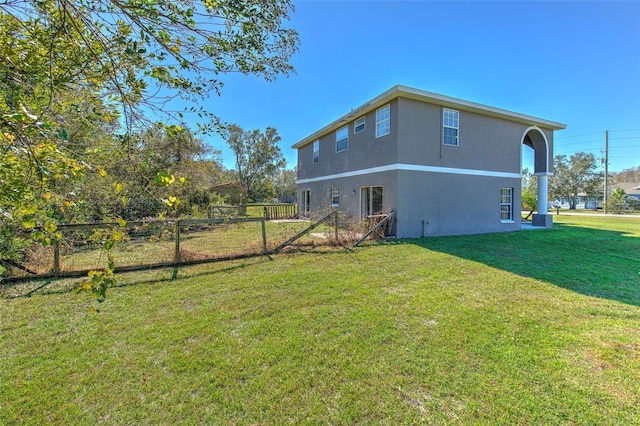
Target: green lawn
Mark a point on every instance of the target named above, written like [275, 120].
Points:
[532, 327]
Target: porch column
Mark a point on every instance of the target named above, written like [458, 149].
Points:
[543, 192]
[542, 218]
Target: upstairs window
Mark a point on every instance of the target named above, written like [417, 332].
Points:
[383, 125]
[335, 196]
[316, 151]
[450, 120]
[358, 125]
[342, 139]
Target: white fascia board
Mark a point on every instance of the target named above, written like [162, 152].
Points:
[432, 98]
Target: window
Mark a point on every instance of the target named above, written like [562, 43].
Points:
[450, 119]
[358, 125]
[306, 202]
[506, 204]
[342, 139]
[370, 200]
[383, 125]
[335, 196]
[316, 151]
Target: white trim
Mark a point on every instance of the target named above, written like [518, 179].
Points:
[412, 168]
[546, 143]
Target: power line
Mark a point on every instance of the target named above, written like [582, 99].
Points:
[591, 151]
[625, 130]
[581, 142]
[627, 146]
[596, 133]
[579, 136]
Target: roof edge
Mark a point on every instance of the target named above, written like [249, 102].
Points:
[430, 97]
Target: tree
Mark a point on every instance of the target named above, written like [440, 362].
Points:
[257, 158]
[529, 195]
[121, 48]
[122, 60]
[575, 175]
[616, 201]
[285, 183]
[633, 203]
[85, 65]
[631, 174]
[119, 61]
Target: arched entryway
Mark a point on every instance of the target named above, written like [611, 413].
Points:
[535, 139]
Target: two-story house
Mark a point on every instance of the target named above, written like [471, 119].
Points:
[445, 166]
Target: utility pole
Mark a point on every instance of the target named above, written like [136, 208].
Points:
[606, 169]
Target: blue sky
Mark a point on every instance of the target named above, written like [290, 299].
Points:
[573, 62]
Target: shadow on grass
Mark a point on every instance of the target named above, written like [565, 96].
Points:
[50, 286]
[127, 279]
[592, 262]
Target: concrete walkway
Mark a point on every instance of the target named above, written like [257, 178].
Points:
[527, 226]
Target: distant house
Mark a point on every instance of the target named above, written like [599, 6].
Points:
[234, 193]
[583, 201]
[632, 189]
[445, 166]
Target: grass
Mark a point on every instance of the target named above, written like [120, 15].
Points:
[593, 212]
[533, 327]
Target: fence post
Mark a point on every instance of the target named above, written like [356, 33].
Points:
[176, 256]
[56, 257]
[335, 223]
[264, 236]
[265, 212]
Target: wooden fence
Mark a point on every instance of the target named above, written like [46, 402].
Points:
[269, 211]
[280, 211]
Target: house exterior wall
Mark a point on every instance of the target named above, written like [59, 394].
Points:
[350, 193]
[365, 150]
[457, 202]
[433, 204]
[485, 143]
[435, 189]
